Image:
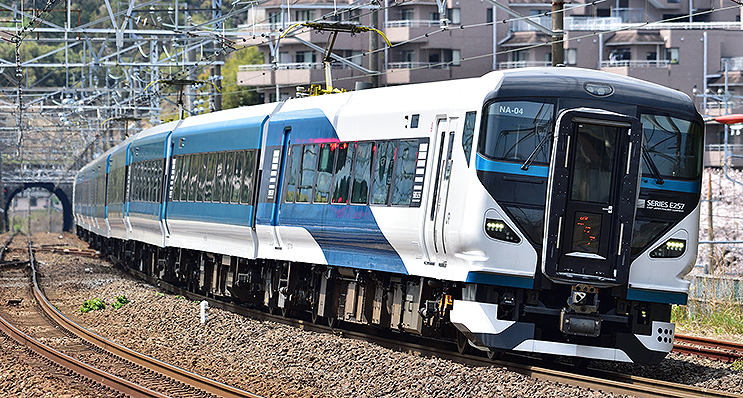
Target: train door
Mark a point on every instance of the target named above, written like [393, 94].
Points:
[437, 218]
[592, 194]
[276, 182]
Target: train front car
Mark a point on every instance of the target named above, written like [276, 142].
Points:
[596, 178]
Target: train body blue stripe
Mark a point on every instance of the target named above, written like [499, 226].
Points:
[657, 297]
[482, 164]
[219, 213]
[488, 165]
[349, 236]
[672, 185]
[146, 208]
[500, 280]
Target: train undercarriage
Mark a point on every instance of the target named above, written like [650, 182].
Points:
[403, 303]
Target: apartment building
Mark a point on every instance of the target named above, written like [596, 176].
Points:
[694, 46]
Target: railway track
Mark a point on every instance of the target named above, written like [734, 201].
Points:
[589, 378]
[708, 348]
[106, 363]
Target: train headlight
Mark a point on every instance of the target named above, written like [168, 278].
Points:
[671, 249]
[498, 229]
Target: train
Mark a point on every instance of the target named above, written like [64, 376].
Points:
[549, 212]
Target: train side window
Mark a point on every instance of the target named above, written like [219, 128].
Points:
[210, 173]
[469, 132]
[247, 190]
[293, 158]
[193, 176]
[158, 179]
[362, 173]
[201, 178]
[237, 177]
[324, 173]
[384, 163]
[229, 168]
[307, 173]
[177, 174]
[343, 167]
[151, 185]
[407, 155]
[185, 167]
[218, 178]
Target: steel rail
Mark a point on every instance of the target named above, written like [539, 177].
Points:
[192, 379]
[643, 387]
[715, 349]
[60, 359]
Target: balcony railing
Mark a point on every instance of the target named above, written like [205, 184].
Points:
[417, 65]
[617, 23]
[636, 64]
[522, 64]
[412, 24]
[289, 66]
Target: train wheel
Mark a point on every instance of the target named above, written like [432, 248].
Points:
[463, 344]
[495, 355]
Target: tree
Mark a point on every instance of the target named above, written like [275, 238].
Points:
[234, 95]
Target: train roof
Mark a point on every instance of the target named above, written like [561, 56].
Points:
[560, 82]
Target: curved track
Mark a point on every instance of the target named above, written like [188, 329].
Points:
[589, 378]
[168, 380]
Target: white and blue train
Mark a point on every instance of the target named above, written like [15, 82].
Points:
[547, 210]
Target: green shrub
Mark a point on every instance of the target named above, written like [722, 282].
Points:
[91, 305]
[120, 301]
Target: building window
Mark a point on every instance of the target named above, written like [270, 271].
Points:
[406, 14]
[408, 56]
[651, 56]
[304, 15]
[454, 15]
[453, 57]
[672, 55]
[433, 16]
[274, 18]
[305, 57]
[521, 55]
[489, 15]
[571, 56]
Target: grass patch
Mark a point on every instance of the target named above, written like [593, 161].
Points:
[92, 305]
[719, 319]
[120, 301]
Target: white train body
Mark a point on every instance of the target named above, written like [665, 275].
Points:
[552, 211]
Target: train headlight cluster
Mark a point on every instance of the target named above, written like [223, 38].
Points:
[498, 229]
[671, 249]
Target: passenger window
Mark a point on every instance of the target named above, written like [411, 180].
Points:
[202, 177]
[292, 165]
[307, 173]
[209, 183]
[469, 132]
[384, 163]
[218, 178]
[185, 165]
[228, 171]
[247, 190]
[177, 174]
[237, 177]
[362, 173]
[324, 173]
[343, 173]
[407, 155]
[193, 177]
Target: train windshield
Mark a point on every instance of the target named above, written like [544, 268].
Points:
[517, 130]
[674, 146]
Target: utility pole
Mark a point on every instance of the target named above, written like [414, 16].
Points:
[373, 47]
[558, 16]
[710, 232]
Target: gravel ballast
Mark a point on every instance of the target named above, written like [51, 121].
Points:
[276, 360]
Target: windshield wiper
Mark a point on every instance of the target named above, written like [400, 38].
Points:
[651, 163]
[531, 157]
